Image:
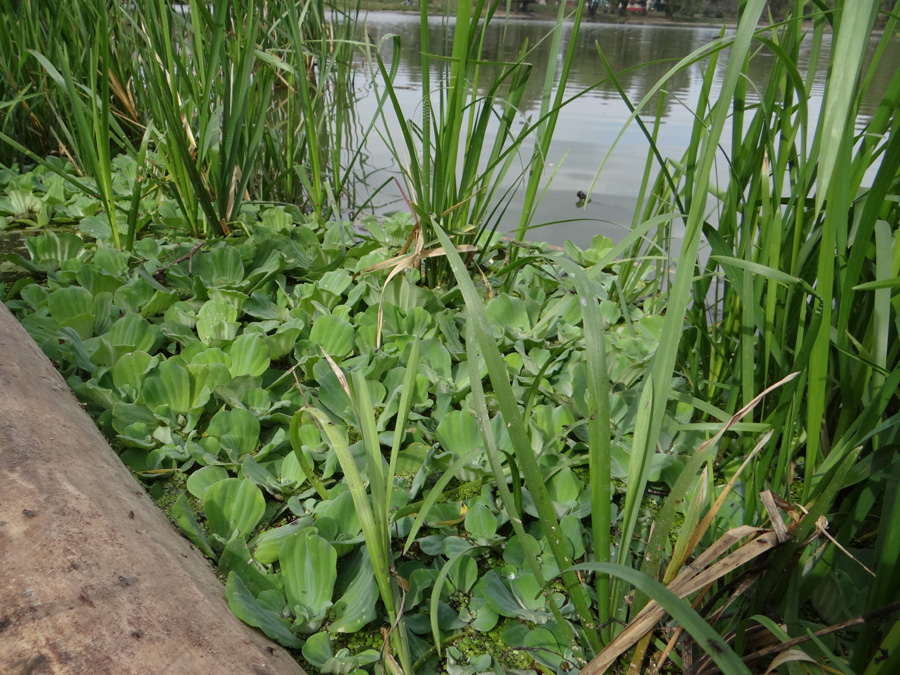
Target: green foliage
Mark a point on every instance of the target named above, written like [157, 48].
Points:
[185, 391]
[261, 612]
[455, 175]
[308, 566]
[233, 506]
[799, 248]
[208, 102]
[555, 454]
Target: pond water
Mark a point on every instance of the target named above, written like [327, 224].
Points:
[588, 126]
[11, 242]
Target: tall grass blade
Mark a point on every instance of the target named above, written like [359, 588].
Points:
[517, 431]
[511, 504]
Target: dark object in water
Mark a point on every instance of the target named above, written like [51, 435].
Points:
[580, 194]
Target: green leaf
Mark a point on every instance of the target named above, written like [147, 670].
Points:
[342, 511]
[236, 558]
[204, 478]
[332, 394]
[72, 307]
[159, 302]
[221, 267]
[206, 377]
[168, 385]
[437, 358]
[249, 356]
[283, 340]
[850, 47]
[334, 335]
[50, 250]
[248, 610]
[564, 487]
[267, 545]
[317, 649]
[184, 519]
[306, 435]
[22, 203]
[485, 619]
[233, 505]
[509, 315]
[463, 573]
[291, 471]
[335, 282]
[527, 592]
[202, 355]
[128, 414]
[546, 648]
[481, 522]
[598, 250]
[97, 227]
[236, 430]
[216, 320]
[131, 368]
[133, 333]
[356, 606]
[574, 531]
[111, 261]
[457, 432]
[762, 270]
[518, 546]
[891, 283]
[505, 603]
[309, 569]
[134, 295]
[259, 474]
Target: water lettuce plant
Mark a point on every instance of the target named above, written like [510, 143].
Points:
[291, 459]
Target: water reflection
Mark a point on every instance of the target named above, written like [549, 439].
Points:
[589, 124]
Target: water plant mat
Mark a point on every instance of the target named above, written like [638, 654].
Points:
[93, 578]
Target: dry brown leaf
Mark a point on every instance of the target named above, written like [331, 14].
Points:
[822, 528]
[691, 579]
[701, 529]
[694, 577]
[338, 373]
[781, 531]
[740, 414]
[123, 95]
[792, 655]
[404, 260]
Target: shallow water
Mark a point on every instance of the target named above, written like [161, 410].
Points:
[589, 125]
[12, 241]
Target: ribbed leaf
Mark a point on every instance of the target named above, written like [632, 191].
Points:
[233, 506]
[168, 385]
[250, 611]
[309, 569]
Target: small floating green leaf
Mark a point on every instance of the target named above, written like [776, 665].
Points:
[233, 505]
[309, 568]
[204, 478]
[168, 385]
[236, 430]
[249, 356]
[248, 610]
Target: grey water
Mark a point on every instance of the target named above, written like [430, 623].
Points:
[589, 125]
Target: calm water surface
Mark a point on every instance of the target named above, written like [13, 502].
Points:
[588, 126]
